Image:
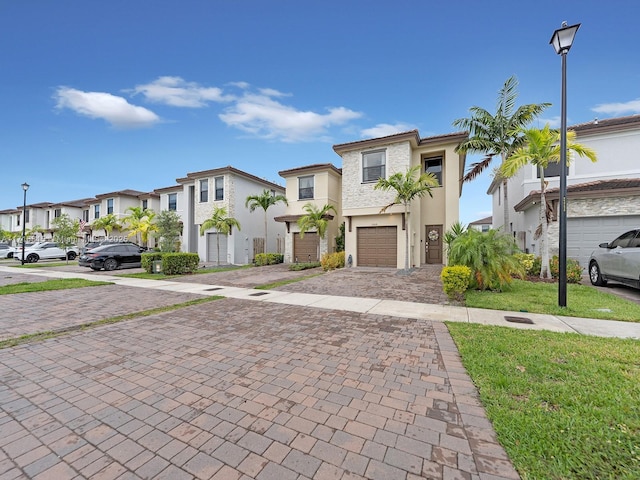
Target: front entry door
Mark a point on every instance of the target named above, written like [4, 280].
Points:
[433, 244]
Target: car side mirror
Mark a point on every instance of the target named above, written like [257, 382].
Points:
[604, 245]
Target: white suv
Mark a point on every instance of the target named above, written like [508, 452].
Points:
[44, 250]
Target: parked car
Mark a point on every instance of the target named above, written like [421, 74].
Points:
[17, 250]
[98, 243]
[6, 251]
[45, 250]
[618, 261]
[111, 257]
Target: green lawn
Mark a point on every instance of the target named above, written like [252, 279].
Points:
[539, 297]
[46, 264]
[564, 406]
[58, 284]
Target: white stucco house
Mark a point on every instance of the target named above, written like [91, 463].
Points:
[225, 187]
[603, 198]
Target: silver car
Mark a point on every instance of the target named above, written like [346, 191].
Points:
[618, 261]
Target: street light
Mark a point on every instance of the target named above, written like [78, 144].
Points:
[25, 187]
[562, 40]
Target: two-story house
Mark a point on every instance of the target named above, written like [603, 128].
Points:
[373, 238]
[225, 187]
[318, 185]
[603, 198]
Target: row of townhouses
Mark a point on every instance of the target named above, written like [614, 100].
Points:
[603, 201]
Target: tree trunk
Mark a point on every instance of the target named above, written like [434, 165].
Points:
[265, 232]
[544, 240]
[505, 201]
[406, 236]
[218, 248]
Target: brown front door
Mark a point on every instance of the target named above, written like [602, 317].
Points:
[433, 243]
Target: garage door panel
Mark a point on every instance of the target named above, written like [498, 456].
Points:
[586, 233]
[377, 246]
[305, 248]
[212, 248]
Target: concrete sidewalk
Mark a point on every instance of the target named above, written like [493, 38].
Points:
[394, 308]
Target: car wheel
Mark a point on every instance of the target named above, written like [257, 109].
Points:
[110, 264]
[10, 255]
[595, 275]
[32, 258]
[71, 255]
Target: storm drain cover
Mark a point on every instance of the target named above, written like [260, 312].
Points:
[518, 320]
[258, 294]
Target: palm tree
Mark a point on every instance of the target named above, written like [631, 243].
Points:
[222, 225]
[139, 221]
[499, 134]
[407, 187]
[265, 200]
[542, 147]
[315, 219]
[106, 223]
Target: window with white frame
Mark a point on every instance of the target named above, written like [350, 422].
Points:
[434, 165]
[26, 218]
[204, 191]
[109, 206]
[305, 187]
[57, 212]
[96, 211]
[219, 181]
[173, 201]
[145, 204]
[373, 166]
[85, 215]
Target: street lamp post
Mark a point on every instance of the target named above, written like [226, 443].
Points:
[562, 40]
[25, 187]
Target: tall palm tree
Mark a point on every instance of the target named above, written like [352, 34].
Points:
[407, 187]
[499, 134]
[265, 200]
[106, 223]
[315, 219]
[221, 223]
[542, 147]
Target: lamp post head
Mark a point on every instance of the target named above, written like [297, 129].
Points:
[562, 38]
[25, 186]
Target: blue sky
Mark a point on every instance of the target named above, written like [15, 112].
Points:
[101, 96]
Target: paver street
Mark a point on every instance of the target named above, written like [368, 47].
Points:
[242, 389]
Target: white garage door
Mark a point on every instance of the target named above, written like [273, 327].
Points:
[212, 248]
[585, 234]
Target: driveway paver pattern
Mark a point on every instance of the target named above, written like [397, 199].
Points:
[237, 389]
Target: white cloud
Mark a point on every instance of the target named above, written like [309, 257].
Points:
[554, 122]
[385, 129]
[115, 110]
[177, 92]
[632, 106]
[261, 115]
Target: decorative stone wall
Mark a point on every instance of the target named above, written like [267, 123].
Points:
[599, 207]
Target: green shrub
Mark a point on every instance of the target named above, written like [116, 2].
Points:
[331, 261]
[148, 259]
[455, 281]
[303, 266]
[537, 266]
[528, 261]
[179, 263]
[490, 257]
[268, 259]
[574, 270]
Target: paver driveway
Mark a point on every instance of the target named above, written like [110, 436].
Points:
[239, 389]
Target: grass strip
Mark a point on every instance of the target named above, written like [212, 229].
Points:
[564, 406]
[46, 264]
[39, 336]
[47, 285]
[280, 283]
[162, 276]
[539, 297]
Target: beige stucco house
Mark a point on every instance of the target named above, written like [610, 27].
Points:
[378, 239]
[319, 185]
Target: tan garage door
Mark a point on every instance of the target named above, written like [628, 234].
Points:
[377, 247]
[305, 249]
